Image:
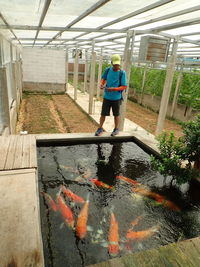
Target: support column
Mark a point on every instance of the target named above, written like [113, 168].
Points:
[75, 82]
[4, 102]
[99, 73]
[92, 79]
[167, 88]
[66, 69]
[86, 71]
[175, 99]
[128, 53]
[143, 83]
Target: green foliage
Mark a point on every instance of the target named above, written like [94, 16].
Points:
[174, 152]
[155, 78]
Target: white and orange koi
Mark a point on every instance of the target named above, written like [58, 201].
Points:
[128, 180]
[157, 197]
[113, 236]
[81, 226]
[51, 203]
[141, 235]
[72, 196]
[65, 211]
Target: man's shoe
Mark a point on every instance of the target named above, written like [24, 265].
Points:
[99, 132]
[115, 132]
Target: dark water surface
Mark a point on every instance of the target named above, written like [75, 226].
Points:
[68, 165]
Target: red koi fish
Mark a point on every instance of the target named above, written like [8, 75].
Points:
[81, 226]
[50, 201]
[141, 235]
[113, 236]
[65, 211]
[159, 198]
[133, 224]
[100, 183]
[128, 180]
[72, 196]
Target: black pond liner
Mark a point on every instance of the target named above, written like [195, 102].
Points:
[66, 162]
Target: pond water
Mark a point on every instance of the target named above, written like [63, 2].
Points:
[122, 215]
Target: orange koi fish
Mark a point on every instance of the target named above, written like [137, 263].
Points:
[141, 235]
[50, 201]
[136, 221]
[128, 180]
[81, 226]
[159, 198]
[72, 196]
[113, 236]
[65, 211]
[100, 183]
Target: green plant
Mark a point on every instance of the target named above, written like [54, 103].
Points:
[178, 155]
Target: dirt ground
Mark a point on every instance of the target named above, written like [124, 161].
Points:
[52, 114]
[59, 114]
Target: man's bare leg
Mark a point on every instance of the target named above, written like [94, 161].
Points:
[102, 119]
[116, 120]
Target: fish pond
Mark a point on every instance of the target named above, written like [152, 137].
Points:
[103, 200]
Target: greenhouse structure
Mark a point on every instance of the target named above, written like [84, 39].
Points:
[76, 196]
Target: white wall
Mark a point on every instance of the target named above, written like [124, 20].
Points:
[43, 65]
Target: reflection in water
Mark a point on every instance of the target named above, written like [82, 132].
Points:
[115, 202]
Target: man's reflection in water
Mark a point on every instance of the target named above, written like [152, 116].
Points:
[108, 164]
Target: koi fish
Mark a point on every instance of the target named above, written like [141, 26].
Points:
[136, 221]
[72, 196]
[65, 211]
[101, 184]
[68, 168]
[141, 235]
[159, 198]
[128, 180]
[81, 226]
[87, 173]
[113, 236]
[50, 201]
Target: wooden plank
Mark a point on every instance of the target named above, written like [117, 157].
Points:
[20, 231]
[11, 153]
[26, 152]
[33, 152]
[4, 151]
[18, 153]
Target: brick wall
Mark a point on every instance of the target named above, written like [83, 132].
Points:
[43, 65]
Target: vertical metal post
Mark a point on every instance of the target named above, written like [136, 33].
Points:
[75, 82]
[167, 88]
[128, 53]
[86, 71]
[66, 69]
[99, 73]
[92, 79]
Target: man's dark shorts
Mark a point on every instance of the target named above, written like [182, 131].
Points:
[107, 104]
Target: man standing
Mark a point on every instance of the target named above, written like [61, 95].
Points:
[113, 82]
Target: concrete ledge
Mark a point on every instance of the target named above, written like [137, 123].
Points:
[51, 88]
[20, 231]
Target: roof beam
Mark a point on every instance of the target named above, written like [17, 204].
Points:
[189, 34]
[137, 12]
[171, 15]
[44, 12]
[9, 27]
[94, 7]
[175, 25]
[64, 29]
[132, 14]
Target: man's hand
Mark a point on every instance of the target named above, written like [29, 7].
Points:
[102, 86]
